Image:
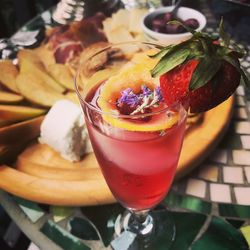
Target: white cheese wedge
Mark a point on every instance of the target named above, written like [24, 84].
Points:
[64, 130]
[135, 19]
[120, 18]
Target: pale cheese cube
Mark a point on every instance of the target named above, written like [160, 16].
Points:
[136, 16]
[121, 18]
[120, 34]
[63, 129]
[107, 25]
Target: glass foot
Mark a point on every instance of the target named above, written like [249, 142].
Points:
[155, 233]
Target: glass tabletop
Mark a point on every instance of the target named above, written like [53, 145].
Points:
[214, 199]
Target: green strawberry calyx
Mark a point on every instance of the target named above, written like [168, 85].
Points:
[206, 50]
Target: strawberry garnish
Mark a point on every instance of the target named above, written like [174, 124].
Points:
[201, 70]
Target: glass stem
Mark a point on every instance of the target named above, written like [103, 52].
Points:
[141, 215]
[141, 222]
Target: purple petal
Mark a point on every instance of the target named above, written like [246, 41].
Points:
[146, 91]
[158, 93]
[128, 97]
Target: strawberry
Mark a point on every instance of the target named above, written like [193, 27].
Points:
[200, 71]
[175, 86]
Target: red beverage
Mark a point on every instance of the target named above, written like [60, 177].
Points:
[138, 166]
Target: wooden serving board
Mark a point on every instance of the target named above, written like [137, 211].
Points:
[41, 175]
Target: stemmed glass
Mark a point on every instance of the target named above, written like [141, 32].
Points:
[136, 138]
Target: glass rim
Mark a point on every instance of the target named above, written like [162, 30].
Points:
[110, 113]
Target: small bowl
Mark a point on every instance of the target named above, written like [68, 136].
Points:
[183, 13]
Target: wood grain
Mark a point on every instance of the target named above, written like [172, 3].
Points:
[42, 175]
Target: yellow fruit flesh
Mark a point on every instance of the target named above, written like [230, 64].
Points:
[10, 113]
[157, 123]
[6, 97]
[8, 74]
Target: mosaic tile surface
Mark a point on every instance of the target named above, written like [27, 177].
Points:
[223, 180]
[220, 186]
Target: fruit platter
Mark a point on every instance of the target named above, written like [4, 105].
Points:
[44, 75]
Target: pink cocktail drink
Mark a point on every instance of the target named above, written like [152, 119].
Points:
[136, 136]
[139, 166]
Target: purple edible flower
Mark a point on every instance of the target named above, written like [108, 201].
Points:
[128, 97]
[141, 101]
[146, 91]
[158, 93]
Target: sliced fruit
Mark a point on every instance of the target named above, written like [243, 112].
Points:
[8, 75]
[157, 123]
[17, 113]
[8, 153]
[6, 97]
[45, 155]
[143, 57]
[62, 74]
[45, 55]
[26, 55]
[30, 63]
[54, 192]
[175, 86]
[98, 77]
[35, 90]
[57, 173]
[28, 129]
[133, 75]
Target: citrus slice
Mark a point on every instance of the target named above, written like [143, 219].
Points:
[134, 75]
[157, 123]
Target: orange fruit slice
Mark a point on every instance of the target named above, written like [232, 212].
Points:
[133, 75]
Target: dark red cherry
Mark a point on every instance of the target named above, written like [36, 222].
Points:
[174, 29]
[168, 17]
[192, 23]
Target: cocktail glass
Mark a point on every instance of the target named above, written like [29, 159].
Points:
[138, 151]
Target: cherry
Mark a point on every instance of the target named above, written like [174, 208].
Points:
[192, 23]
[174, 28]
[160, 23]
[157, 24]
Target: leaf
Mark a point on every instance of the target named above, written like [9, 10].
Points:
[230, 46]
[162, 52]
[184, 26]
[82, 228]
[219, 236]
[236, 64]
[170, 61]
[204, 72]
[207, 45]
[224, 36]
[62, 238]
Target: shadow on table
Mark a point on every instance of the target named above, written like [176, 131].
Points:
[236, 17]
[22, 242]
